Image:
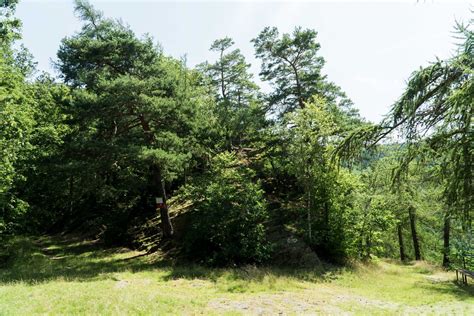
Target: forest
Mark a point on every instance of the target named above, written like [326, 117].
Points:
[132, 148]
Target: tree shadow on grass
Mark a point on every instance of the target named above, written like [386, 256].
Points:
[43, 259]
[460, 291]
[252, 273]
[454, 288]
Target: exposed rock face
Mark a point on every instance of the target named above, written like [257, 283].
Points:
[290, 250]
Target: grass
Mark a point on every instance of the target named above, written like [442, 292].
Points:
[52, 275]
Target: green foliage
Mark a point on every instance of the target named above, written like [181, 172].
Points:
[134, 122]
[434, 117]
[291, 63]
[463, 252]
[9, 25]
[16, 120]
[328, 191]
[228, 216]
[239, 111]
[373, 215]
[17, 123]
[126, 123]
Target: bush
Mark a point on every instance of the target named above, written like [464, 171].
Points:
[226, 224]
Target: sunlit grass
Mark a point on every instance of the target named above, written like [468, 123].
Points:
[67, 276]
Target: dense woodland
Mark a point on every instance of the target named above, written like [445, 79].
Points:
[244, 174]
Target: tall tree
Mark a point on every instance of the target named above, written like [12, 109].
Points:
[132, 101]
[414, 233]
[313, 131]
[238, 103]
[292, 65]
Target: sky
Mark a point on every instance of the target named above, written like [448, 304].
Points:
[370, 47]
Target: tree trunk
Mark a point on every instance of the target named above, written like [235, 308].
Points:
[159, 191]
[361, 245]
[223, 88]
[298, 87]
[309, 216]
[467, 185]
[158, 184]
[446, 231]
[414, 234]
[326, 222]
[400, 242]
[368, 246]
[71, 193]
[326, 215]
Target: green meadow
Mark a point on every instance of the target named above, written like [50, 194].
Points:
[54, 275]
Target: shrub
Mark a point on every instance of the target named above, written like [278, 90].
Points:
[226, 224]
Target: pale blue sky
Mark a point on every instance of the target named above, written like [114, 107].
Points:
[370, 47]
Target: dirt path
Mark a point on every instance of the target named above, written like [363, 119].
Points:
[329, 301]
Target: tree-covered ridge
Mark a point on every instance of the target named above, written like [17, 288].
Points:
[129, 144]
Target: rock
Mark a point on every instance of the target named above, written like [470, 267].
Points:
[289, 250]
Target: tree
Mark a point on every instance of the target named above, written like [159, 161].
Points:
[388, 211]
[9, 25]
[312, 134]
[292, 65]
[434, 115]
[238, 106]
[374, 211]
[132, 101]
[46, 187]
[230, 74]
[16, 117]
[229, 211]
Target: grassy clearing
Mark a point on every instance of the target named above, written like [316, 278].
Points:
[66, 276]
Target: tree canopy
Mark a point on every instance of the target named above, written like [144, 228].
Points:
[137, 148]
